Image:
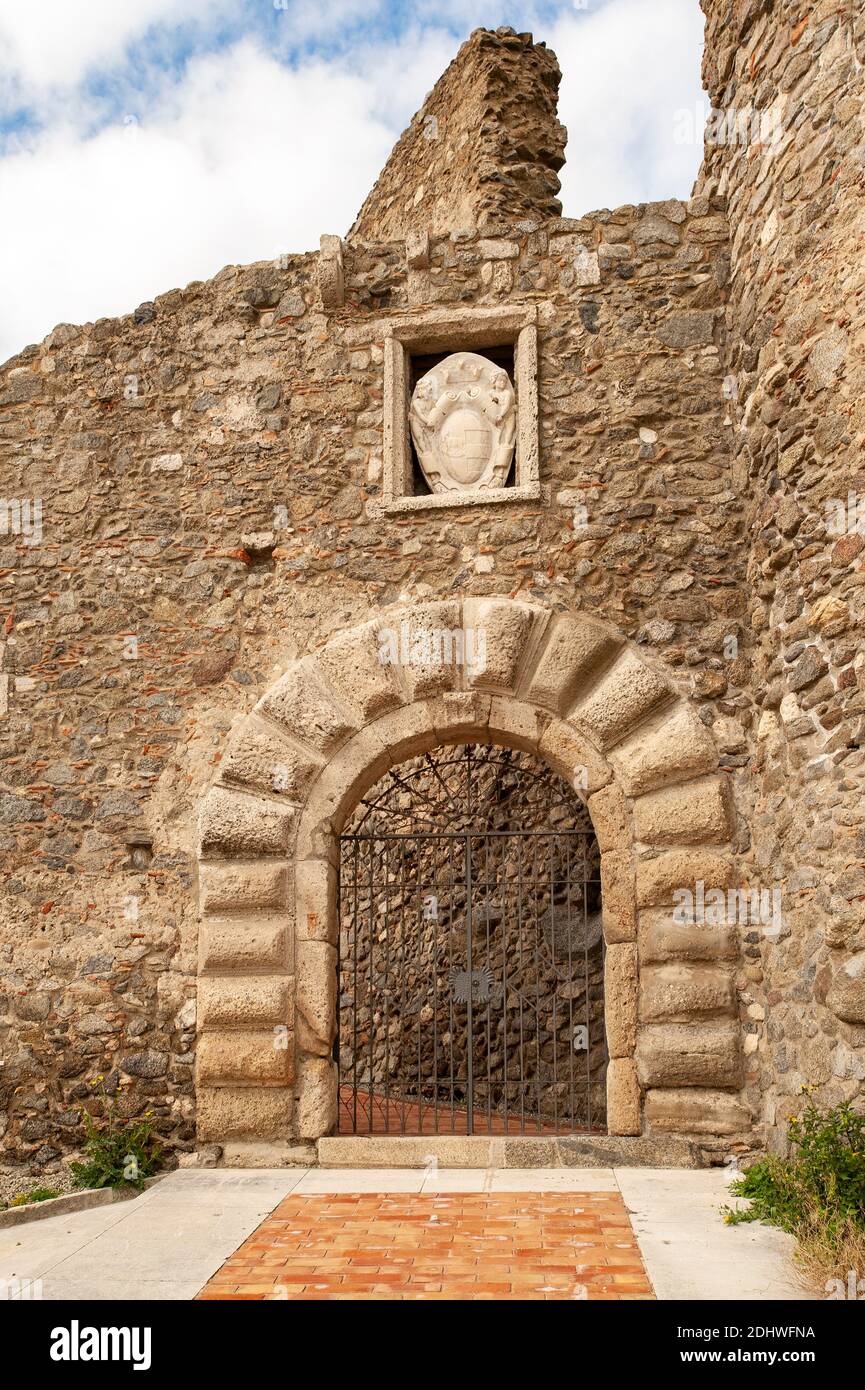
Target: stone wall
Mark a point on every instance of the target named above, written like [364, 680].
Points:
[209, 470]
[483, 149]
[604, 715]
[793, 177]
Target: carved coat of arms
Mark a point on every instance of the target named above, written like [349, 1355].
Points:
[463, 423]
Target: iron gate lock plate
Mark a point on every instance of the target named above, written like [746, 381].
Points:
[474, 985]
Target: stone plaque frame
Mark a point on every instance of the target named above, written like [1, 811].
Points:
[468, 331]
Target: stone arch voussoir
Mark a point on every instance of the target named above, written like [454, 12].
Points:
[569, 688]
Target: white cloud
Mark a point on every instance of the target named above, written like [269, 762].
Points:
[56, 42]
[324, 19]
[626, 69]
[401, 72]
[242, 157]
[249, 160]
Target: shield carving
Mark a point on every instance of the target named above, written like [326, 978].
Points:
[463, 423]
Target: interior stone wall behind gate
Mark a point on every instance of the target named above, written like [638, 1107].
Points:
[210, 475]
[796, 324]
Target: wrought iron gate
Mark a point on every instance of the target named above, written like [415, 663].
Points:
[471, 954]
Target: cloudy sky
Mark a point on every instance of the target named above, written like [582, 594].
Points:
[147, 143]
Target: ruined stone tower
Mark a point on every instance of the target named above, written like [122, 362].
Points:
[483, 149]
[582, 491]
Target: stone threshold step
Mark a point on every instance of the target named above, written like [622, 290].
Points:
[479, 1151]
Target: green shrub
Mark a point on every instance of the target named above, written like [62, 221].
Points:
[818, 1193]
[39, 1194]
[118, 1153]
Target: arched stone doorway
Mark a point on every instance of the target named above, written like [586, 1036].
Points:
[565, 688]
[470, 951]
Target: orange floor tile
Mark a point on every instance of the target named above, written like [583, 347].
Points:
[363, 1113]
[514, 1245]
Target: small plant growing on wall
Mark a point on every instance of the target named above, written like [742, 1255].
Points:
[818, 1192]
[37, 1194]
[118, 1152]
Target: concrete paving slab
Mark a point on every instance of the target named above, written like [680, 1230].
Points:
[165, 1248]
[554, 1180]
[225, 1183]
[671, 1182]
[321, 1180]
[457, 1180]
[687, 1249]
[27, 1251]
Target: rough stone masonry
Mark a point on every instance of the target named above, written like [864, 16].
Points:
[229, 514]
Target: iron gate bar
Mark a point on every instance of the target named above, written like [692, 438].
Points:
[586, 985]
[461, 834]
[553, 950]
[429, 763]
[537, 969]
[378, 803]
[522, 1020]
[404, 872]
[508, 905]
[470, 1071]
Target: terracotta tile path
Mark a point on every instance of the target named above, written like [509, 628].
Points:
[373, 1245]
[362, 1113]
